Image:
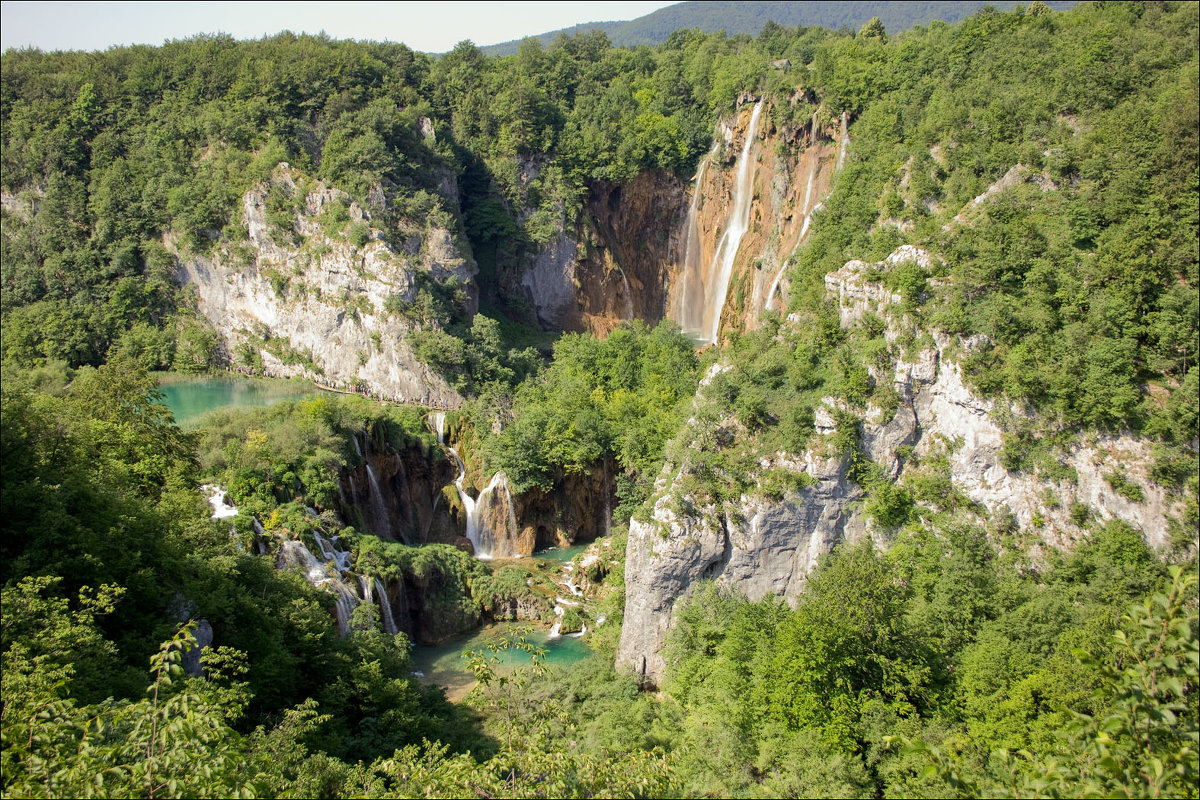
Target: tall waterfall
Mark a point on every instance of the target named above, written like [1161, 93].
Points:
[687, 308]
[481, 539]
[378, 508]
[705, 322]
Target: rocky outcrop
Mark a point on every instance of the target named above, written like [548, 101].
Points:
[577, 509]
[612, 266]
[761, 547]
[325, 298]
[409, 485]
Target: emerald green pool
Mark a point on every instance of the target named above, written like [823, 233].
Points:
[191, 398]
[563, 554]
[444, 665]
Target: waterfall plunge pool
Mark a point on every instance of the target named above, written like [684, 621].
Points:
[444, 665]
[190, 398]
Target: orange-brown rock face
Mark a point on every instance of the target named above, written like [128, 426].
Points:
[614, 266]
[788, 180]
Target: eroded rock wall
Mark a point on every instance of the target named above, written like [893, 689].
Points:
[612, 266]
[761, 548]
[318, 304]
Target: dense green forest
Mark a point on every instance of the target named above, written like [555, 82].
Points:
[964, 659]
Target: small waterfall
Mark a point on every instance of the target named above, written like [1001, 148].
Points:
[481, 539]
[357, 449]
[340, 558]
[439, 425]
[378, 509]
[389, 622]
[628, 293]
[347, 601]
[294, 554]
[814, 163]
[216, 498]
[484, 540]
[703, 292]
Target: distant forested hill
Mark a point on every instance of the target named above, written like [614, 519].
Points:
[735, 17]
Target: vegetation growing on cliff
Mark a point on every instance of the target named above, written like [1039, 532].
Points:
[951, 663]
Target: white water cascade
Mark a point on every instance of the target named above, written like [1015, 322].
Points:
[482, 540]
[688, 304]
[439, 425]
[378, 509]
[389, 622]
[806, 209]
[216, 498]
[704, 322]
[295, 554]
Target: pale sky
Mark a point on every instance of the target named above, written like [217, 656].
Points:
[427, 26]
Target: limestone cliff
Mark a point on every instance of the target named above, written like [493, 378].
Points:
[322, 294]
[761, 547]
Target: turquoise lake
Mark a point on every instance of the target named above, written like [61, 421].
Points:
[191, 398]
[444, 665]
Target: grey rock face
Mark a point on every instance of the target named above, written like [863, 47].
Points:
[550, 281]
[325, 296]
[763, 548]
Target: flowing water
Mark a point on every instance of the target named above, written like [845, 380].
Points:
[439, 425]
[806, 209]
[389, 622]
[191, 398]
[379, 510]
[704, 323]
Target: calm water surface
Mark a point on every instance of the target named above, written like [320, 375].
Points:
[191, 398]
[563, 554]
[444, 665]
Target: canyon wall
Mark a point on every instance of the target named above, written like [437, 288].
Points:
[324, 300]
[761, 547]
[612, 266]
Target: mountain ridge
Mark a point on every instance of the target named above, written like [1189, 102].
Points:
[749, 17]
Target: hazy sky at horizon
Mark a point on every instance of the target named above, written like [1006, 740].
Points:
[427, 26]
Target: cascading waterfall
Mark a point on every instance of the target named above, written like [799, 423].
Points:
[482, 540]
[295, 554]
[389, 622]
[378, 509]
[715, 284]
[688, 306]
[808, 212]
[738, 223]
[216, 498]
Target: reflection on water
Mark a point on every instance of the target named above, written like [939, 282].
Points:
[191, 398]
[444, 665]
